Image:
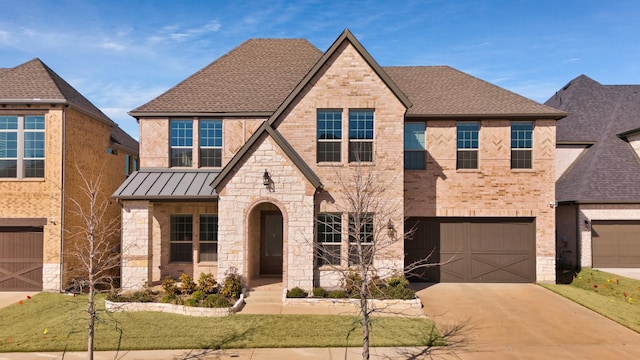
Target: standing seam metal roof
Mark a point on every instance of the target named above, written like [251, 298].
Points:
[168, 184]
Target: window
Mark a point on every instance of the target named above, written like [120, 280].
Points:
[210, 143]
[130, 164]
[208, 238]
[414, 146]
[467, 136]
[329, 238]
[181, 142]
[360, 230]
[329, 125]
[521, 145]
[22, 146]
[181, 238]
[360, 136]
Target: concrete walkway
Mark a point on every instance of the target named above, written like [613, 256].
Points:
[12, 297]
[522, 321]
[632, 273]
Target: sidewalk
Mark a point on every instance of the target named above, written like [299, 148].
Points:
[242, 354]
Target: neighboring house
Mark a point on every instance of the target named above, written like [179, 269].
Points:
[240, 159]
[598, 174]
[47, 129]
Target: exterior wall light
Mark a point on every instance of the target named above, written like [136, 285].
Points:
[266, 179]
[391, 229]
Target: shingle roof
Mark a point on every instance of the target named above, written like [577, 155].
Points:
[174, 184]
[442, 91]
[609, 171]
[120, 138]
[258, 75]
[35, 81]
[254, 77]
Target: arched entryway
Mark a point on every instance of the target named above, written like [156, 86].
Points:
[266, 242]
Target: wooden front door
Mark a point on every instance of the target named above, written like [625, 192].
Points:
[271, 243]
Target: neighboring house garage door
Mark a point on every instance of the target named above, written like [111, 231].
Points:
[20, 258]
[615, 244]
[477, 250]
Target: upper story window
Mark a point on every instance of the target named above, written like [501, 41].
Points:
[467, 143]
[210, 143]
[329, 127]
[181, 142]
[521, 145]
[414, 146]
[22, 146]
[360, 135]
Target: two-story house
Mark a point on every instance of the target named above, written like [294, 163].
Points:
[243, 160]
[49, 131]
[598, 174]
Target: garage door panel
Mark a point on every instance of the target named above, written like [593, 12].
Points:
[21, 259]
[480, 249]
[615, 243]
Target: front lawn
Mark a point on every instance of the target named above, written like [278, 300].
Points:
[613, 296]
[56, 322]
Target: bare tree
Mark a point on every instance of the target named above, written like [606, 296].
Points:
[372, 239]
[95, 234]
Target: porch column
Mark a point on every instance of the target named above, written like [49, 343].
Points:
[136, 243]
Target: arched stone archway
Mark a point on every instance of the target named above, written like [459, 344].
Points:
[266, 242]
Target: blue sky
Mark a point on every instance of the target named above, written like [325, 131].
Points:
[121, 54]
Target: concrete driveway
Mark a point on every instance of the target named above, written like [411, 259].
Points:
[12, 297]
[522, 321]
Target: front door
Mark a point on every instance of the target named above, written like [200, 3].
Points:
[271, 243]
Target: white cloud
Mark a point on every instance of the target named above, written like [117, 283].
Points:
[109, 45]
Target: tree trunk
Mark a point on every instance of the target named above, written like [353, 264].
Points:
[92, 322]
[364, 307]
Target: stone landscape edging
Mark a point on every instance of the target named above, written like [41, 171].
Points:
[378, 303]
[174, 309]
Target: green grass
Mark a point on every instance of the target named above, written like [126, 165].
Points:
[613, 296]
[22, 328]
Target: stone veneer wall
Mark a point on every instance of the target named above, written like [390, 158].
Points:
[291, 193]
[492, 190]
[590, 212]
[347, 82]
[136, 243]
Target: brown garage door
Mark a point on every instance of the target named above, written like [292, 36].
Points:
[473, 250]
[20, 259]
[615, 244]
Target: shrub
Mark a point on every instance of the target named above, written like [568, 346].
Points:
[351, 284]
[169, 298]
[216, 301]
[232, 285]
[144, 295]
[397, 281]
[169, 285]
[402, 293]
[207, 283]
[198, 295]
[187, 286]
[191, 302]
[297, 292]
[319, 292]
[337, 294]
[114, 297]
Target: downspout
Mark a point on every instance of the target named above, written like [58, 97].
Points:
[64, 163]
